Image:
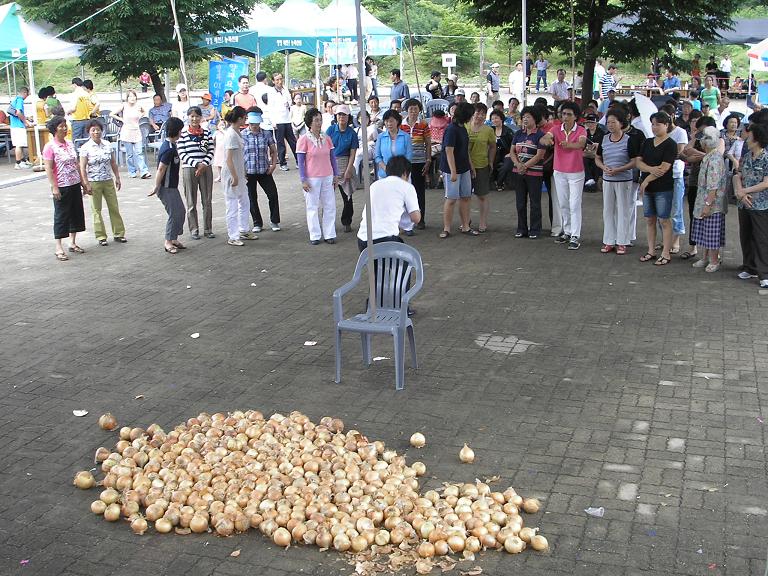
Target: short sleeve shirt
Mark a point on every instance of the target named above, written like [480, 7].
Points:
[64, 157]
[479, 143]
[18, 103]
[526, 146]
[169, 156]
[317, 155]
[570, 160]
[615, 154]
[99, 165]
[754, 171]
[256, 151]
[233, 141]
[390, 198]
[655, 156]
[455, 137]
[680, 136]
[344, 141]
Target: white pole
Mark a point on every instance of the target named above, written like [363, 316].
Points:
[177, 33]
[287, 70]
[317, 75]
[8, 77]
[366, 173]
[525, 49]
[35, 127]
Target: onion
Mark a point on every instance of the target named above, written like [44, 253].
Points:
[112, 513]
[341, 543]
[358, 544]
[139, 525]
[101, 455]
[420, 468]
[198, 524]
[531, 505]
[514, 545]
[98, 507]
[163, 525]
[456, 543]
[107, 421]
[539, 543]
[84, 480]
[382, 538]
[109, 496]
[441, 548]
[472, 544]
[526, 534]
[282, 537]
[418, 440]
[426, 550]
[467, 455]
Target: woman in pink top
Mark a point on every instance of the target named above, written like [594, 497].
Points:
[569, 140]
[64, 176]
[318, 172]
[130, 135]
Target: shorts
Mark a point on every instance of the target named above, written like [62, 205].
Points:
[658, 204]
[19, 137]
[481, 183]
[462, 188]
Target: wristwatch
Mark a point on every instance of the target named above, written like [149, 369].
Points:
[707, 203]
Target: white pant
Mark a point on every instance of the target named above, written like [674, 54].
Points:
[633, 217]
[618, 207]
[321, 196]
[570, 186]
[238, 209]
[557, 222]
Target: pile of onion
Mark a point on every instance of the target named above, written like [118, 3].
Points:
[298, 483]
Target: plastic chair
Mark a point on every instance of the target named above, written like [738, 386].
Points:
[395, 264]
[436, 104]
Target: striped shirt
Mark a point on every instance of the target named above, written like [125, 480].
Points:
[195, 149]
[616, 154]
[417, 132]
[606, 83]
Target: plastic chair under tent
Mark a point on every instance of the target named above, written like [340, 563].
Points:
[436, 104]
[425, 97]
[396, 264]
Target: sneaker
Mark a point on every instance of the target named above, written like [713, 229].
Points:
[275, 227]
[19, 166]
[284, 168]
[330, 240]
[209, 235]
[248, 236]
[533, 236]
[590, 182]
[410, 233]
[195, 236]
[574, 243]
[256, 229]
[763, 283]
[314, 242]
[235, 242]
[700, 263]
[562, 239]
[744, 275]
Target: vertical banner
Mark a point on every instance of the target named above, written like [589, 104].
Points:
[223, 75]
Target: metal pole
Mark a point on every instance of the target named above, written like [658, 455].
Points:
[35, 127]
[525, 48]
[482, 57]
[287, 81]
[573, 53]
[366, 173]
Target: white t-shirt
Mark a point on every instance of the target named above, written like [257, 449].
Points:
[258, 90]
[390, 198]
[725, 65]
[279, 105]
[680, 136]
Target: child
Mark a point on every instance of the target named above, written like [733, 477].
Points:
[219, 153]
[167, 185]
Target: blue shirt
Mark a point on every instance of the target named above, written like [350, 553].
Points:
[403, 147]
[343, 142]
[456, 137]
[18, 103]
[400, 91]
[668, 83]
[159, 114]
[169, 156]
[256, 150]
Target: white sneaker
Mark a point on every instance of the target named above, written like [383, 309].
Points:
[744, 275]
[700, 263]
[763, 283]
[256, 229]
[589, 182]
[275, 227]
[235, 242]
[19, 166]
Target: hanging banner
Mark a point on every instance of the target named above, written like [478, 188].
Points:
[341, 51]
[223, 75]
[382, 45]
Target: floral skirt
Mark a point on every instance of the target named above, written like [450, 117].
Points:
[709, 232]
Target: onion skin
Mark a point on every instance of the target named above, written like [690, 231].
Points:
[531, 505]
[98, 507]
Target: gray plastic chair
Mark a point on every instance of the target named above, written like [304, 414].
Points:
[436, 104]
[395, 264]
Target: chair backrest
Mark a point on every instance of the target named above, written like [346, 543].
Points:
[436, 104]
[395, 264]
[425, 97]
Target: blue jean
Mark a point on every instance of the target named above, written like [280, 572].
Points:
[462, 188]
[657, 204]
[134, 154]
[79, 132]
[678, 220]
[375, 87]
[541, 75]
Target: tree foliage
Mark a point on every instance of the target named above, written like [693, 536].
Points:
[137, 35]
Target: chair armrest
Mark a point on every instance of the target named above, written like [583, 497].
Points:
[338, 311]
[405, 301]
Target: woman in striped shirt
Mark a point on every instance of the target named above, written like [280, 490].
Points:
[422, 152]
[195, 147]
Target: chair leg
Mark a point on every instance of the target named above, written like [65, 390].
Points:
[412, 341]
[365, 340]
[338, 356]
[399, 360]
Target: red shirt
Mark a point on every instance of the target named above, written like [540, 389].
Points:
[569, 160]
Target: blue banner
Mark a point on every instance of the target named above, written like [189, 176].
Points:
[223, 75]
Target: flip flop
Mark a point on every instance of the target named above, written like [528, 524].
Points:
[647, 257]
[662, 261]
[172, 250]
[470, 232]
[76, 248]
[674, 250]
[686, 255]
[444, 234]
[61, 257]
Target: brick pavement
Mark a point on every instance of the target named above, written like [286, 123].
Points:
[635, 388]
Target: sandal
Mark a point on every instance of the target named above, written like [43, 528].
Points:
[647, 257]
[444, 234]
[662, 261]
[76, 248]
[607, 248]
[61, 257]
[686, 255]
[103, 243]
[482, 230]
[172, 250]
[621, 250]
[469, 231]
[179, 246]
[674, 250]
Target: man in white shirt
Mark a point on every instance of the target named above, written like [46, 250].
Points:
[722, 111]
[392, 199]
[279, 106]
[259, 89]
[559, 89]
[725, 71]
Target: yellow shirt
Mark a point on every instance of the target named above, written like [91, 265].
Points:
[40, 112]
[83, 105]
[478, 144]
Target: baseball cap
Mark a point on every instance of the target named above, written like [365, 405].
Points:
[495, 65]
[590, 118]
[518, 62]
[207, 96]
[180, 87]
[453, 77]
[460, 92]
[341, 109]
[254, 118]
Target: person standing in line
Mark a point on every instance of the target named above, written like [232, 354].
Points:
[680, 136]
[400, 89]
[196, 149]
[726, 65]
[569, 140]
[79, 111]
[319, 174]
[345, 147]
[372, 71]
[492, 84]
[279, 105]
[19, 124]
[167, 185]
[482, 154]
[130, 134]
[392, 142]
[609, 81]
[100, 176]
[526, 155]
[63, 174]
[353, 75]
[456, 166]
[421, 143]
[233, 178]
[260, 163]
[541, 71]
[517, 82]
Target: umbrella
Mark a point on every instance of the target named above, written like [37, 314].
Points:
[27, 41]
[646, 107]
[759, 51]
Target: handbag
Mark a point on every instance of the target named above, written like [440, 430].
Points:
[12, 111]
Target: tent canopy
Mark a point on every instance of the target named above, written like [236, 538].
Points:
[758, 57]
[26, 41]
[745, 30]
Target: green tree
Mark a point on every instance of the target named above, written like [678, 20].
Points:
[137, 35]
[620, 30]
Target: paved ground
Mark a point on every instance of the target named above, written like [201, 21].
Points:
[581, 378]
